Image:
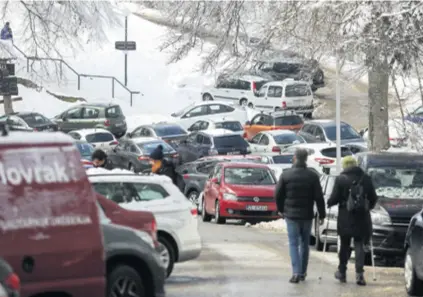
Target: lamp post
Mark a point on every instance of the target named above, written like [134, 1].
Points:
[338, 115]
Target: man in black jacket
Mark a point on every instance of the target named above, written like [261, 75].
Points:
[162, 166]
[100, 160]
[357, 225]
[297, 191]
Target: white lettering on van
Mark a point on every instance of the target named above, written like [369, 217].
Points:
[41, 174]
[62, 221]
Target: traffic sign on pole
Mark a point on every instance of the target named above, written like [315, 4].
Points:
[126, 45]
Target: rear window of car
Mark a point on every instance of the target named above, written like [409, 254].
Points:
[248, 176]
[34, 119]
[288, 138]
[297, 90]
[233, 126]
[282, 159]
[331, 152]
[99, 137]
[229, 141]
[149, 147]
[288, 120]
[128, 192]
[169, 130]
[86, 150]
[114, 112]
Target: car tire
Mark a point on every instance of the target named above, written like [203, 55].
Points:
[243, 102]
[193, 196]
[318, 243]
[166, 253]
[250, 105]
[413, 285]
[218, 219]
[207, 97]
[204, 215]
[125, 276]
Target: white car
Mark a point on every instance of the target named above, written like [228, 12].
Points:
[176, 217]
[98, 138]
[288, 94]
[274, 141]
[278, 169]
[209, 110]
[397, 132]
[224, 123]
[235, 89]
[320, 154]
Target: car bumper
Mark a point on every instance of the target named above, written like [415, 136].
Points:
[238, 210]
[301, 109]
[389, 240]
[188, 241]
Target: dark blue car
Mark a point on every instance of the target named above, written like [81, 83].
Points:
[415, 116]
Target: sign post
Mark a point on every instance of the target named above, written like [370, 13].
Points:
[126, 46]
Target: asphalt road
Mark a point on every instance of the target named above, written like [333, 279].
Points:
[249, 262]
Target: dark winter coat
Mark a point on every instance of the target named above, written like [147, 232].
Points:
[168, 169]
[6, 33]
[107, 165]
[297, 191]
[352, 224]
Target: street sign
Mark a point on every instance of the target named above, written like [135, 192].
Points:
[126, 45]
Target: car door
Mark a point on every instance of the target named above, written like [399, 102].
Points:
[234, 91]
[265, 123]
[254, 143]
[90, 118]
[221, 90]
[115, 155]
[184, 148]
[136, 133]
[71, 120]
[193, 115]
[273, 97]
[251, 129]
[263, 145]
[307, 132]
[127, 154]
[195, 127]
[214, 189]
[319, 135]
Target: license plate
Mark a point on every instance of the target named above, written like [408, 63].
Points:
[256, 207]
[298, 102]
[234, 153]
[119, 124]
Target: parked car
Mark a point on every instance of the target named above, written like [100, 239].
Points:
[168, 132]
[319, 153]
[279, 65]
[281, 120]
[93, 115]
[397, 132]
[413, 273]
[357, 147]
[208, 110]
[288, 94]
[35, 240]
[227, 124]
[28, 122]
[134, 154]
[240, 191]
[211, 142]
[176, 217]
[98, 138]
[236, 89]
[325, 131]
[276, 158]
[274, 141]
[416, 116]
[135, 267]
[10, 283]
[85, 149]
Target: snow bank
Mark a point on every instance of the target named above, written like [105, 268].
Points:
[278, 225]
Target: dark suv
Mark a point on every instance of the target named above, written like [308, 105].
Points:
[93, 115]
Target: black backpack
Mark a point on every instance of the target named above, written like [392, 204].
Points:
[357, 201]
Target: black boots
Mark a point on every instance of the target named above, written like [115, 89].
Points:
[359, 278]
[295, 279]
[341, 276]
[303, 277]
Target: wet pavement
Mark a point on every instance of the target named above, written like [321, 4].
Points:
[248, 262]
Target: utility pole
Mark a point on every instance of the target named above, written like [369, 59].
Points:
[126, 52]
[338, 117]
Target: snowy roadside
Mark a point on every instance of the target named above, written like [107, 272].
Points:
[277, 226]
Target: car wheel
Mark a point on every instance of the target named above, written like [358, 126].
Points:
[243, 102]
[167, 254]
[413, 285]
[218, 219]
[318, 243]
[250, 105]
[193, 196]
[207, 97]
[125, 281]
[204, 215]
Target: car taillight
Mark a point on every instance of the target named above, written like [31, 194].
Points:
[13, 282]
[107, 123]
[244, 135]
[154, 229]
[175, 156]
[194, 211]
[185, 176]
[283, 104]
[143, 158]
[114, 143]
[254, 86]
[276, 149]
[35, 129]
[323, 161]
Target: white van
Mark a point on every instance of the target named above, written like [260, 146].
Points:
[288, 94]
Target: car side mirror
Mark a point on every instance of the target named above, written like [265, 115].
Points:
[214, 180]
[247, 123]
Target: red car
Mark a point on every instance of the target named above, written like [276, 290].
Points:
[240, 191]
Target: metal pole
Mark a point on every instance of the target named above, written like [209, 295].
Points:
[338, 117]
[126, 53]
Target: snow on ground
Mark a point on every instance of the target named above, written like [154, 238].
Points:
[278, 225]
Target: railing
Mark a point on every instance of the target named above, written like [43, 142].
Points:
[62, 62]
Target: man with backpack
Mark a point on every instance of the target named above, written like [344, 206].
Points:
[355, 196]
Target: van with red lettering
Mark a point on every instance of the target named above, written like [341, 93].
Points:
[49, 223]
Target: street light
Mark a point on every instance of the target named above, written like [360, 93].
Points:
[338, 116]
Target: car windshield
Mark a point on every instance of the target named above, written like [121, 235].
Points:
[34, 119]
[347, 132]
[297, 90]
[99, 137]
[162, 131]
[404, 181]
[182, 111]
[86, 150]
[230, 141]
[233, 126]
[289, 120]
[288, 139]
[248, 176]
[282, 159]
[148, 147]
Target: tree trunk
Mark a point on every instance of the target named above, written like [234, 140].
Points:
[8, 104]
[378, 107]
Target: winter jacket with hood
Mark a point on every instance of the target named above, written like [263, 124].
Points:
[352, 224]
[6, 33]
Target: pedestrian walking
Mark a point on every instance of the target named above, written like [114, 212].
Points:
[6, 32]
[100, 160]
[355, 195]
[297, 191]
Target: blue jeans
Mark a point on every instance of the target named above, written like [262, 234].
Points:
[299, 244]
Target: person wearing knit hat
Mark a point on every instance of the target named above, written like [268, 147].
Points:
[351, 223]
[156, 157]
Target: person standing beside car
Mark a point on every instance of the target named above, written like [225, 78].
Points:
[100, 160]
[355, 195]
[161, 166]
[296, 192]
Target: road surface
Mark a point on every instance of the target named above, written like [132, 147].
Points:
[248, 262]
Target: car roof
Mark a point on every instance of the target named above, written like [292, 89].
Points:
[35, 138]
[119, 173]
[201, 103]
[218, 132]
[98, 104]
[243, 164]
[85, 132]
[397, 156]
[145, 139]
[228, 157]
[23, 113]
[318, 145]
[325, 123]
[288, 81]
[283, 113]
[278, 132]
[160, 124]
[224, 119]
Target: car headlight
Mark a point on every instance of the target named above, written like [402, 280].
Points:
[380, 216]
[229, 196]
[145, 237]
